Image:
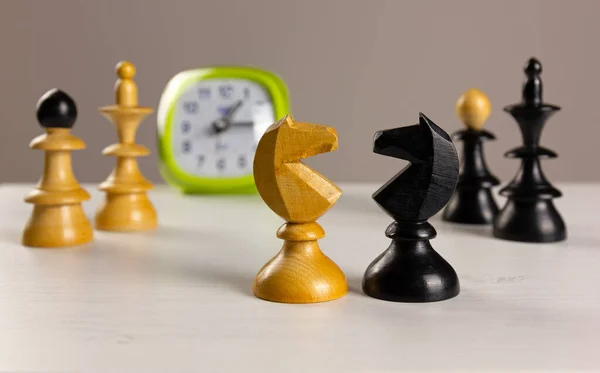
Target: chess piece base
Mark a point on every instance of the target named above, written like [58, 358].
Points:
[126, 213]
[410, 270]
[300, 272]
[52, 226]
[530, 221]
[471, 206]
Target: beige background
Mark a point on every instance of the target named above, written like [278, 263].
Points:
[358, 66]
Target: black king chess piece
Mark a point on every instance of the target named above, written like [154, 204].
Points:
[410, 270]
[529, 214]
[472, 201]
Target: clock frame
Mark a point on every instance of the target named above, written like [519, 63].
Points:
[171, 172]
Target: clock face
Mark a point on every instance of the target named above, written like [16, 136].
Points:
[216, 126]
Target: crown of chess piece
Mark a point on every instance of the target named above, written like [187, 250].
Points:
[472, 201]
[300, 272]
[529, 214]
[126, 207]
[410, 270]
[57, 219]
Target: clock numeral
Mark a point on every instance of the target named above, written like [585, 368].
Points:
[220, 146]
[204, 93]
[186, 146]
[220, 164]
[242, 162]
[190, 107]
[223, 110]
[186, 126]
[201, 159]
[246, 92]
[226, 91]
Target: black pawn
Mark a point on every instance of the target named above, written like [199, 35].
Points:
[410, 270]
[56, 109]
[473, 202]
[529, 214]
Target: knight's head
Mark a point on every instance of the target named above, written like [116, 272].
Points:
[411, 143]
[292, 190]
[421, 190]
[298, 140]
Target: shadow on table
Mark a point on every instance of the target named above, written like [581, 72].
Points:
[11, 235]
[237, 281]
[168, 255]
[358, 204]
[217, 262]
[470, 229]
[355, 284]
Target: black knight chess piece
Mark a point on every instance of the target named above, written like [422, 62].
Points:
[472, 201]
[410, 270]
[529, 214]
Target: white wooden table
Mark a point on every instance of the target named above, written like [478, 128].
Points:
[179, 299]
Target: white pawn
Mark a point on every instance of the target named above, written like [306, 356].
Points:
[57, 219]
[126, 207]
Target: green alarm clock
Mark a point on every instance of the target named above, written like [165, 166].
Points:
[209, 123]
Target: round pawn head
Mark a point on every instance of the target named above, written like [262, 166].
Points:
[56, 109]
[533, 67]
[473, 108]
[125, 88]
[125, 70]
[532, 88]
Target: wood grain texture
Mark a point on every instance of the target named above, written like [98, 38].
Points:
[57, 219]
[168, 301]
[300, 273]
[473, 201]
[410, 270]
[529, 214]
[126, 206]
[473, 108]
[424, 187]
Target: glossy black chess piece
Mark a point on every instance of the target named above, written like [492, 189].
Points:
[529, 214]
[410, 270]
[56, 109]
[473, 201]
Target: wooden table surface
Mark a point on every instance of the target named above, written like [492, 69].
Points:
[179, 299]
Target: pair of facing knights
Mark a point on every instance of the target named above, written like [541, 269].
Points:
[409, 270]
[300, 272]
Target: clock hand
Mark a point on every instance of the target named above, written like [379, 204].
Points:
[241, 124]
[222, 124]
[212, 131]
[233, 109]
